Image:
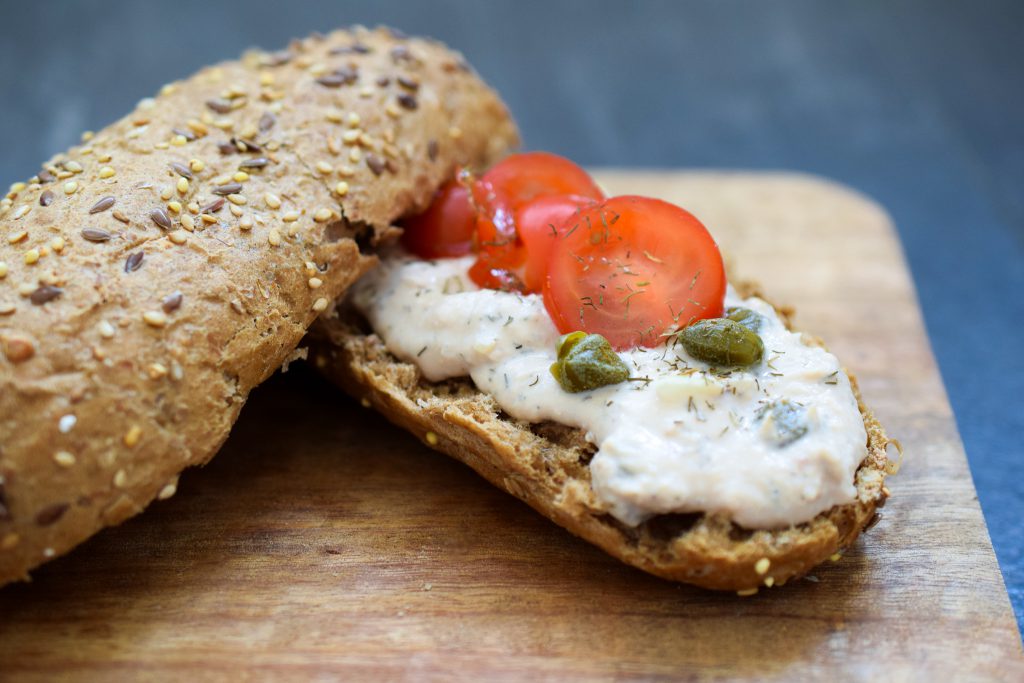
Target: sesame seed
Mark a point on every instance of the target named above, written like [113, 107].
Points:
[354, 155]
[57, 244]
[64, 459]
[196, 166]
[335, 115]
[236, 211]
[324, 167]
[346, 171]
[245, 223]
[73, 166]
[166, 193]
[391, 110]
[21, 211]
[26, 288]
[132, 436]
[272, 200]
[237, 199]
[290, 217]
[341, 189]
[174, 207]
[88, 134]
[120, 217]
[188, 222]
[7, 308]
[315, 283]
[274, 237]
[17, 187]
[154, 318]
[320, 304]
[182, 186]
[769, 581]
[157, 371]
[3, 270]
[323, 215]
[455, 132]
[66, 423]
[835, 557]
[747, 592]
[179, 141]
[762, 565]
[106, 172]
[293, 229]
[31, 257]
[106, 329]
[431, 438]
[120, 479]
[70, 187]
[167, 491]
[178, 237]
[240, 176]
[350, 137]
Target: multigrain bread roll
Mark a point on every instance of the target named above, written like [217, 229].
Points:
[151, 277]
[547, 466]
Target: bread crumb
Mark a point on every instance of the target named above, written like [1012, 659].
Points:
[298, 354]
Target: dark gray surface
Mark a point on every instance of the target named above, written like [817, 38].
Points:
[918, 104]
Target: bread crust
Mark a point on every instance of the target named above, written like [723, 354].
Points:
[145, 288]
[547, 466]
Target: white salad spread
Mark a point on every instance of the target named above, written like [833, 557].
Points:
[678, 437]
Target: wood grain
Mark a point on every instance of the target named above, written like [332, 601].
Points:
[323, 544]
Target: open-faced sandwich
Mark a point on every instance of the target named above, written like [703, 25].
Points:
[587, 355]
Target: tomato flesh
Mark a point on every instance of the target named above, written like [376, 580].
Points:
[538, 224]
[631, 269]
[445, 229]
[500, 194]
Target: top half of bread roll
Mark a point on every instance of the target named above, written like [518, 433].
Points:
[152, 276]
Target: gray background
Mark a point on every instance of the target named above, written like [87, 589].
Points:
[918, 104]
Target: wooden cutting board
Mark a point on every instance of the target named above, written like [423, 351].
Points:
[322, 543]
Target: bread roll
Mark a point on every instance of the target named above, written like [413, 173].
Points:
[152, 276]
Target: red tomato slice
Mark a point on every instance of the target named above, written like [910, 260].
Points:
[445, 229]
[538, 224]
[520, 178]
[501, 192]
[632, 269]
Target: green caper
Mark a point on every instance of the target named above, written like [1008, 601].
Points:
[746, 317]
[788, 421]
[721, 341]
[587, 361]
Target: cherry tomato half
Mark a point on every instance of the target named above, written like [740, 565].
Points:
[498, 195]
[446, 228]
[631, 269]
[538, 224]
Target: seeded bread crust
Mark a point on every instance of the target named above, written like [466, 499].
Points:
[145, 288]
[547, 466]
